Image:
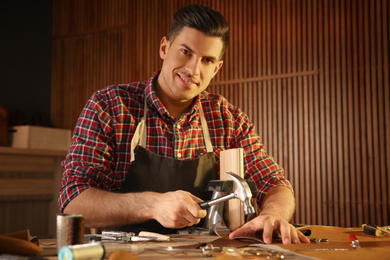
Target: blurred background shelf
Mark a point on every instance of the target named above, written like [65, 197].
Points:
[29, 184]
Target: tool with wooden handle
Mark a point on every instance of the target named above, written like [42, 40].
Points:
[162, 237]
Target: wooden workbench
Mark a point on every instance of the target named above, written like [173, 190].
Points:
[371, 247]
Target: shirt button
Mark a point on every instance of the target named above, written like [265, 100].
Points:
[178, 126]
[179, 155]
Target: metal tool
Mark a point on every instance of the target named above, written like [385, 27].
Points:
[354, 241]
[214, 221]
[118, 237]
[242, 192]
[318, 240]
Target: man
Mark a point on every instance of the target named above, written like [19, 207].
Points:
[142, 153]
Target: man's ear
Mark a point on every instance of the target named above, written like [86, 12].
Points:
[218, 66]
[164, 45]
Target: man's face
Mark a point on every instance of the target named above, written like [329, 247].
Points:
[189, 64]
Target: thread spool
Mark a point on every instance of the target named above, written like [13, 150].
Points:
[70, 230]
[92, 251]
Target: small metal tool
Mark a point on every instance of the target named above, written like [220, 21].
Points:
[318, 240]
[214, 220]
[354, 241]
[118, 237]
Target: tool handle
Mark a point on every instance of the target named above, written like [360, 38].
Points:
[379, 228]
[204, 204]
[207, 204]
[159, 237]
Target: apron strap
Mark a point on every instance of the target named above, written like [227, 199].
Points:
[140, 132]
[205, 129]
[143, 135]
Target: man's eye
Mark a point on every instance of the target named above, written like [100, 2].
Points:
[209, 60]
[186, 52]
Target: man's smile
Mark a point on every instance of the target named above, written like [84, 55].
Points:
[187, 79]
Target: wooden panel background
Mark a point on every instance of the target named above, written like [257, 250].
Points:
[313, 75]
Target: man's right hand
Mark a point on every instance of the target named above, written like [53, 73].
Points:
[178, 209]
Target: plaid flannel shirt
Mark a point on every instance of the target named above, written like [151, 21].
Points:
[99, 155]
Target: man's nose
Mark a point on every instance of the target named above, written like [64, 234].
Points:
[193, 66]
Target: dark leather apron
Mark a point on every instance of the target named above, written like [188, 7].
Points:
[152, 172]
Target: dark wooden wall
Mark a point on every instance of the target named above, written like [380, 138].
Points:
[313, 75]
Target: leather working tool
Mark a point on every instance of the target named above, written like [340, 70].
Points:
[214, 222]
[242, 192]
[214, 219]
[161, 237]
[318, 240]
[375, 230]
[354, 241]
[119, 237]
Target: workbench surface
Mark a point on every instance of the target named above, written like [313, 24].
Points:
[338, 238]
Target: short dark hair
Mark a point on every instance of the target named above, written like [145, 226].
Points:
[202, 18]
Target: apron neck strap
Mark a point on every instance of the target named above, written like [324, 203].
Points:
[143, 136]
[205, 129]
[139, 136]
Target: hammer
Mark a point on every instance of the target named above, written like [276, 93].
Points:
[242, 192]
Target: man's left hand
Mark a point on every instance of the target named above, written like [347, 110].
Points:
[269, 224]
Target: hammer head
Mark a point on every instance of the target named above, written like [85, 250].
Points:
[242, 192]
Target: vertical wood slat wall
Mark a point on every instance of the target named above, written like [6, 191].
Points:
[312, 75]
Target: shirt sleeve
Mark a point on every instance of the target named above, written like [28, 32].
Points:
[259, 166]
[90, 159]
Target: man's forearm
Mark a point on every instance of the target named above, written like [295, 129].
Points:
[279, 201]
[106, 209]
